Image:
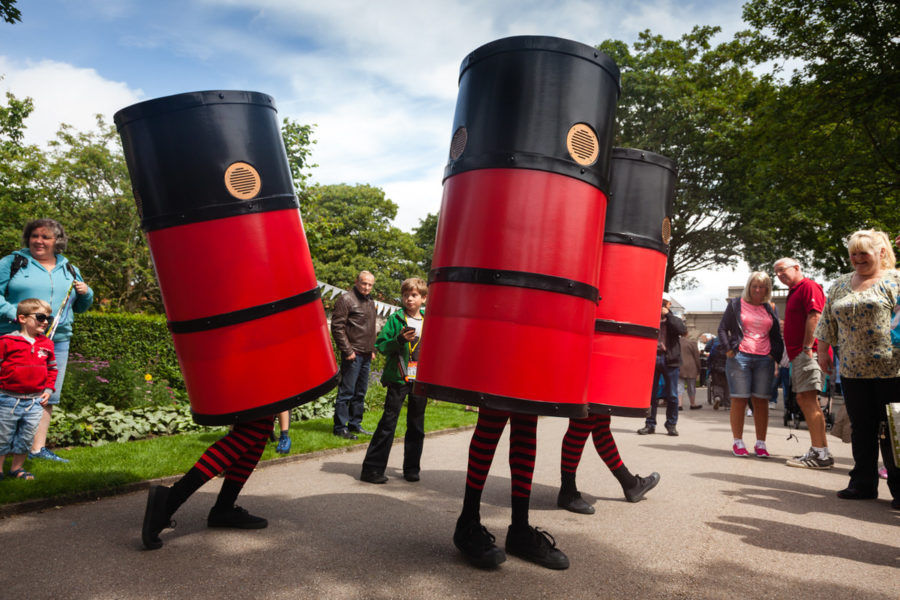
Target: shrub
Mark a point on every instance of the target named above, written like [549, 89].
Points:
[100, 423]
[117, 382]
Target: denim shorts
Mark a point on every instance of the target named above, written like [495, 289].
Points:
[750, 375]
[18, 422]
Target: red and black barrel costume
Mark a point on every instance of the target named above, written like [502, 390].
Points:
[513, 285]
[213, 187]
[631, 279]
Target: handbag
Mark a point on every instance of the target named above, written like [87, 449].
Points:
[841, 427]
[893, 429]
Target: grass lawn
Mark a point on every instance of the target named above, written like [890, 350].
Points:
[103, 468]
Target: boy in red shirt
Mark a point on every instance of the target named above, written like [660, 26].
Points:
[27, 378]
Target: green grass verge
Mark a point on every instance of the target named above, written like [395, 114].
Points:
[101, 468]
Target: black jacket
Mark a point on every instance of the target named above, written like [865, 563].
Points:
[731, 332]
[674, 330]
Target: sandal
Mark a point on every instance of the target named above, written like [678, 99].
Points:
[22, 474]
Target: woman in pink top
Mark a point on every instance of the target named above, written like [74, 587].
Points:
[750, 334]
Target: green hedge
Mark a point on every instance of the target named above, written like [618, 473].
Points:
[140, 340]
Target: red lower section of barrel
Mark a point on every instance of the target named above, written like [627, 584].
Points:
[622, 366]
[259, 367]
[506, 347]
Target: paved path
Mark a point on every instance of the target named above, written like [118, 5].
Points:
[716, 527]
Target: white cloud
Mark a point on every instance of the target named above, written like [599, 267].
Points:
[63, 94]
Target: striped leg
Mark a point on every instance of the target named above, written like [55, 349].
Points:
[522, 449]
[481, 454]
[573, 444]
[604, 442]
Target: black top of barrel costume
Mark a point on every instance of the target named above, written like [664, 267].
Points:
[642, 194]
[518, 98]
[178, 147]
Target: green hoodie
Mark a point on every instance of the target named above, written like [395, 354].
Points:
[395, 348]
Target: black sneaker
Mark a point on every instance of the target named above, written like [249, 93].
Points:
[411, 477]
[573, 502]
[235, 518]
[477, 545]
[643, 485]
[346, 434]
[646, 430]
[372, 477]
[359, 430]
[535, 545]
[670, 429]
[155, 517]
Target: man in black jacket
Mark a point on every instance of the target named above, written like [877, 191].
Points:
[353, 329]
[668, 361]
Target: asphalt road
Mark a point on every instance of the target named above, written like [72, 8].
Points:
[717, 526]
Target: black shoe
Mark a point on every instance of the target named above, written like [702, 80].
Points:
[412, 477]
[643, 485]
[573, 502]
[670, 429]
[235, 518]
[372, 477]
[359, 430]
[477, 545]
[646, 430]
[895, 503]
[696, 407]
[535, 545]
[855, 494]
[680, 407]
[345, 433]
[155, 517]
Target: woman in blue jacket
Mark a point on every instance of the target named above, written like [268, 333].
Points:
[39, 270]
[751, 337]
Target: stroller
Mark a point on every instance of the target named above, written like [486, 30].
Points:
[793, 415]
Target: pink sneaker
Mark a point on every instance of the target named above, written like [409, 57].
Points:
[739, 450]
[761, 451]
[882, 472]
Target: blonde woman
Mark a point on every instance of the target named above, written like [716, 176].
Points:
[856, 319]
[751, 337]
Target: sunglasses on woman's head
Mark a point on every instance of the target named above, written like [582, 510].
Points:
[41, 317]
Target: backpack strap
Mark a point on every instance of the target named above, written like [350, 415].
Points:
[18, 263]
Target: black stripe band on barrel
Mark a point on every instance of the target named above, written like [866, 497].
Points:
[591, 175]
[618, 411]
[495, 402]
[220, 211]
[534, 281]
[635, 240]
[268, 410]
[606, 326]
[245, 314]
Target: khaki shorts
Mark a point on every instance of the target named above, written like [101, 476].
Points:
[806, 376]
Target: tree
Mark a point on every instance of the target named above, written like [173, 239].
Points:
[89, 191]
[688, 101]
[9, 12]
[349, 230]
[823, 155]
[424, 236]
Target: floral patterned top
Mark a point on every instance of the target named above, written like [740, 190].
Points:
[859, 324]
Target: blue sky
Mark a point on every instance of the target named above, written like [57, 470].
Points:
[377, 78]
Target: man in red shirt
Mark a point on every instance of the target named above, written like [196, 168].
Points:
[804, 305]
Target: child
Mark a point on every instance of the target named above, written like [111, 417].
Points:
[399, 341]
[27, 378]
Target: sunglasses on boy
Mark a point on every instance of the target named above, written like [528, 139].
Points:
[41, 317]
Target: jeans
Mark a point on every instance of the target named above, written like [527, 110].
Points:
[61, 351]
[670, 392]
[18, 421]
[749, 375]
[351, 397]
[783, 381]
[380, 446]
